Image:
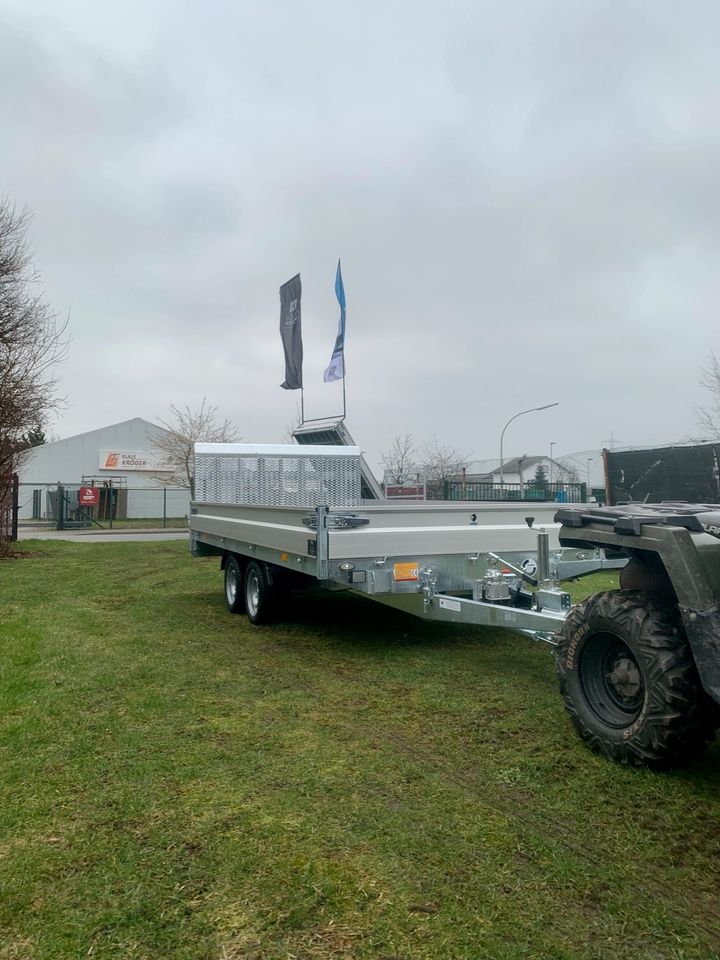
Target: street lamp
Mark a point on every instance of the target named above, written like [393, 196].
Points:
[502, 435]
[554, 443]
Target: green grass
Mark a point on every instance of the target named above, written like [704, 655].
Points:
[352, 784]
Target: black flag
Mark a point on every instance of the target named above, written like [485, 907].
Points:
[291, 333]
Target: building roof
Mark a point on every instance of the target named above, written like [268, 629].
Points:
[491, 468]
[514, 465]
[108, 426]
[483, 467]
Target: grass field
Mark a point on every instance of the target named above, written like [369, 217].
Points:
[352, 784]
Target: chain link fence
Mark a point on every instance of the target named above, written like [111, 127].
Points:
[680, 471]
[68, 505]
[651, 473]
[587, 467]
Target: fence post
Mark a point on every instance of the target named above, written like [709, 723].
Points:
[15, 506]
[164, 507]
[606, 472]
[60, 506]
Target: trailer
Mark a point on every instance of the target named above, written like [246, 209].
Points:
[639, 667]
[296, 513]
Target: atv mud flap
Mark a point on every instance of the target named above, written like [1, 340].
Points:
[703, 632]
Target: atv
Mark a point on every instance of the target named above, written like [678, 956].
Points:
[639, 667]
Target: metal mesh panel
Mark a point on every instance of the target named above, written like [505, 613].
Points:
[277, 481]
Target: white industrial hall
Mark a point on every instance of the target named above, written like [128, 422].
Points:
[119, 462]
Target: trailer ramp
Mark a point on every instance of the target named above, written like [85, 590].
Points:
[333, 432]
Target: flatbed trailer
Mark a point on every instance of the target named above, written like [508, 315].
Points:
[495, 564]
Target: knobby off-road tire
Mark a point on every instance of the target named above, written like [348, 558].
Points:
[234, 586]
[261, 598]
[629, 681]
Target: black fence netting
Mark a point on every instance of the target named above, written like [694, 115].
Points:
[689, 473]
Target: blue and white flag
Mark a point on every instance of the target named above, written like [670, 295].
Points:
[336, 367]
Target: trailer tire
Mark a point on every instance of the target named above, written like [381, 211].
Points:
[261, 600]
[629, 680]
[234, 585]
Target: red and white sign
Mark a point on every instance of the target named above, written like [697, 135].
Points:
[89, 496]
[129, 461]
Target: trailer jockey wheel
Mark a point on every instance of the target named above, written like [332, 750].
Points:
[234, 593]
[261, 601]
[629, 681]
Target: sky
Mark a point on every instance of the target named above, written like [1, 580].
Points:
[525, 197]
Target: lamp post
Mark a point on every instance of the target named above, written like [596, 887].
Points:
[554, 442]
[587, 484]
[502, 435]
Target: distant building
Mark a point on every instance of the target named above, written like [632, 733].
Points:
[119, 459]
[517, 470]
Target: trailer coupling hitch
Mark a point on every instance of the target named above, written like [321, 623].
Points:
[547, 595]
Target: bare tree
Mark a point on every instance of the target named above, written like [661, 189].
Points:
[571, 468]
[186, 427]
[708, 418]
[32, 342]
[442, 463]
[399, 459]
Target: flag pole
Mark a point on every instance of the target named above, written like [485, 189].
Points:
[343, 355]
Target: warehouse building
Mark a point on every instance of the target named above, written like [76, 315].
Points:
[119, 461]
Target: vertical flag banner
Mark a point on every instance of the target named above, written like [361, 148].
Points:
[291, 333]
[336, 367]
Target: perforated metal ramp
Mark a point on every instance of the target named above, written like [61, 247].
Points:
[333, 432]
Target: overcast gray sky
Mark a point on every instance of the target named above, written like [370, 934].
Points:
[524, 195]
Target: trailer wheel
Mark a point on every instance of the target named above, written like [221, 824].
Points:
[260, 597]
[234, 593]
[629, 681]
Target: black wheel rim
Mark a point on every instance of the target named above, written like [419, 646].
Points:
[612, 680]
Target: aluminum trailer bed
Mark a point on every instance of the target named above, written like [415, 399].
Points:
[271, 510]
